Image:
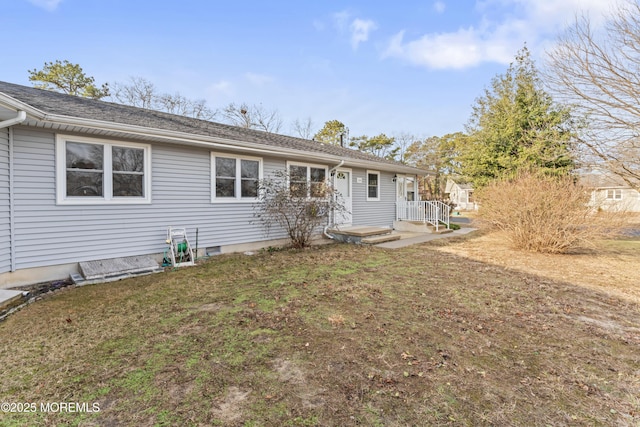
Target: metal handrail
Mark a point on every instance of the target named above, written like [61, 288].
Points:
[426, 211]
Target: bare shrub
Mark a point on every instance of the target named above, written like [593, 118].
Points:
[545, 214]
[299, 207]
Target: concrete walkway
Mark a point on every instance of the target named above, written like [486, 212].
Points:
[409, 239]
[8, 296]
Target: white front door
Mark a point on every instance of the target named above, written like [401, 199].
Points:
[342, 182]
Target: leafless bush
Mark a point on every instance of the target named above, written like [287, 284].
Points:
[545, 214]
[298, 207]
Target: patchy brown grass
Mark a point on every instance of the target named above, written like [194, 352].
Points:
[438, 334]
[613, 266]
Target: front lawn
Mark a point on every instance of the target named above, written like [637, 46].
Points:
[337, 335]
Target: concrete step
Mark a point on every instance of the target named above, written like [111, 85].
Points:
[361, 231]
[9, 297]
[382, 238]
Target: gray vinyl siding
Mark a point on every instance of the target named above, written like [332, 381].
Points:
[5, 209]
[377, 213]
[50, 234]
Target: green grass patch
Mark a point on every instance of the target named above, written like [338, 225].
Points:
[333, 335]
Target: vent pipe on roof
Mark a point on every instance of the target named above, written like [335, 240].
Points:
[21, 117]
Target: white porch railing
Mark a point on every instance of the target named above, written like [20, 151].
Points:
[432, 212]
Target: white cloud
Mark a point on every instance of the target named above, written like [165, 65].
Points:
[503, 28]
[360, 30]
[49, 5]
[258, 79]
[439, 6]
[462, 49]
[340, 20]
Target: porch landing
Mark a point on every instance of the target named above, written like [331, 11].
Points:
[388, 238]
[363, 234]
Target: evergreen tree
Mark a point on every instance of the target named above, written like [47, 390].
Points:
[379, 145]
[516, 126]
[333, 132]
[65, 77]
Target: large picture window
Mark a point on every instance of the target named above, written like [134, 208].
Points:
[307, 180]
[92, 171]
[235, 178]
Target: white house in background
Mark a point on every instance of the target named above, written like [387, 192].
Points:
[610, 192]
[461, 194]
[84, 180]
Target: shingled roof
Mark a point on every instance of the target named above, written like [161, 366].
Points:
[58, 104]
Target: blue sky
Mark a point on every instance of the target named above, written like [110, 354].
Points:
[377, 66]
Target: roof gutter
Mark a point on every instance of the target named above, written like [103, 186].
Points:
[21, 117]
[212, 141]
[194, 139]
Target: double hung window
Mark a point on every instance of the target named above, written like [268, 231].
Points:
[92, 171]
[614, 194]
[373, 185]
[235, 178]
[307, 180]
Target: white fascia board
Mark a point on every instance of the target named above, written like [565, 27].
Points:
[14, 104]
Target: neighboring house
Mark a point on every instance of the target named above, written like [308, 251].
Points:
[85, 180]
[609, 192]
[460, 194]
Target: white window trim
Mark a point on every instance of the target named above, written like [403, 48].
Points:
[616, 194]
[108, 198]
[238, 188]
[372, 199]
[309, 166]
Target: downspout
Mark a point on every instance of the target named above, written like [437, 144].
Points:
[21, 117]
[327, 235]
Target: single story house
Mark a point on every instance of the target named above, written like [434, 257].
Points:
[610, 192]
[84, 180]
[461, 194]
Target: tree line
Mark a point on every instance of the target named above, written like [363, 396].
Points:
[516, 124]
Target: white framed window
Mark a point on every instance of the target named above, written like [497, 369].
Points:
[307, 180]
[614, 194]
[235, 178]
[373, 186]
[96, 171]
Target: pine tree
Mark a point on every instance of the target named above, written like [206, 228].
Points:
[516, 126]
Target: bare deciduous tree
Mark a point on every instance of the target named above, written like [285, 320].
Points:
[252, 117]
[597, 72]
[303, 128]
[403, 141]
[140, 92]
